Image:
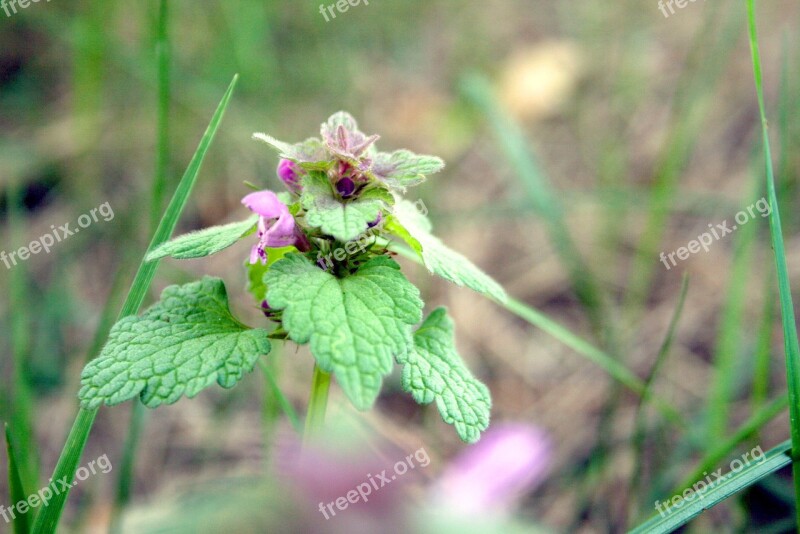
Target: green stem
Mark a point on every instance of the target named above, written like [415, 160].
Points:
[317, 404]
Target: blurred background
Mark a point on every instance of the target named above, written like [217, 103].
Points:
[583, 138]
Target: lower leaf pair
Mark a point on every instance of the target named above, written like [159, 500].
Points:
[356, 327]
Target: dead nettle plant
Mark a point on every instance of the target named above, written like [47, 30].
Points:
[358, 312]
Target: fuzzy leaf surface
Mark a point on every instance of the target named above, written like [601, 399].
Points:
[414, 228]
[344, 220]
[403, 168]
[182, 344]
[204, 242]
[355, 325]
[433, 371]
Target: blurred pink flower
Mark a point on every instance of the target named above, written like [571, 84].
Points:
[276, 226]
[324, 474]
[488, 477]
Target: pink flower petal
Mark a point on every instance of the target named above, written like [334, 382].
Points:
[508, 461]
[266, 204]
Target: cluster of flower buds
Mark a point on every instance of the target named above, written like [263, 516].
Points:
[352, 163]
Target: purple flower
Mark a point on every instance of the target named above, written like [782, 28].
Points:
[290, 173]
[376, 222]
[346, 187]
[276, 226]
[488, 477]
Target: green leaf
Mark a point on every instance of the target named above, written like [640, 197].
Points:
[403, 168]
[310, 153]
[344, 220]
[22, 523]
[414, 228]
[340, 118]
[179, 346]
[433, 371]
[344, 140]
[356, 325]
[204, 242]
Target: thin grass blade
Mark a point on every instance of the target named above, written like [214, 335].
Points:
[791, 347]
[774, 460]
[16, 490]
[47, 519]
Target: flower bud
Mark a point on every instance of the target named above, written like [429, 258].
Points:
[345, 187]
[268, 312]
[290, 173]
[376, 222]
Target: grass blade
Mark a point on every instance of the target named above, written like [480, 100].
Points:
[19, 402]
[745, 431]
[775, 459]
[163, 52]
[641, 420]
[784, 290]
[694, 99]
[609, 364]
[727, 353]
[47, 519]
[138, 415]
[15, 487]
[545, 200]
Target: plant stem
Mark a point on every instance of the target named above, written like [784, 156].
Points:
[317, 404]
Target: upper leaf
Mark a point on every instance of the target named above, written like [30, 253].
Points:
[344, 220]
[343, 138]
[310, 154]
[403, 168]
[356, 325]
[414, 228]
[433, 371]
[179, 346]
[204, 242]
